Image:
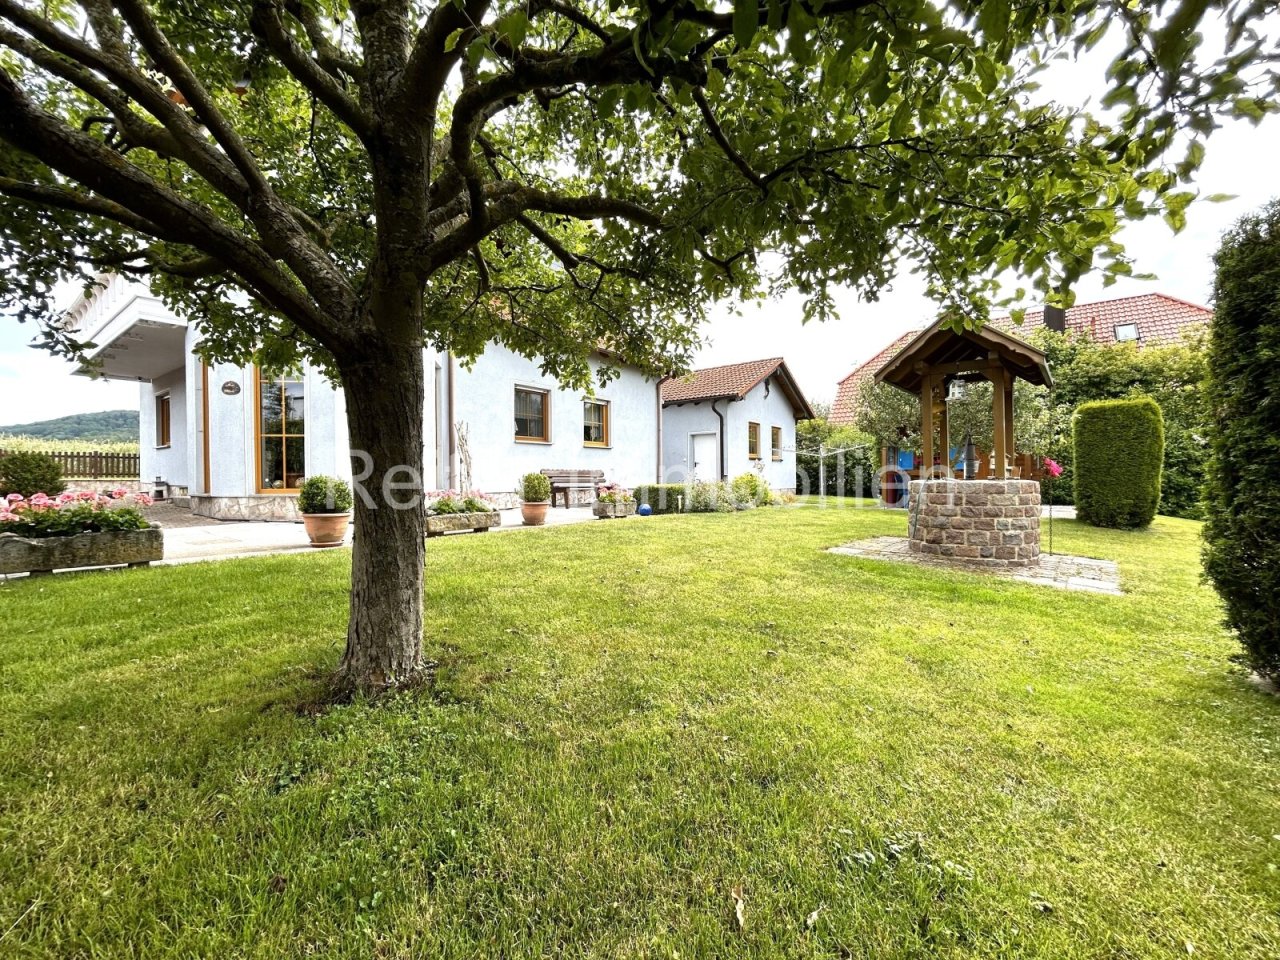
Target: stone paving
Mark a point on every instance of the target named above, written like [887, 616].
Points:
[1057, 570]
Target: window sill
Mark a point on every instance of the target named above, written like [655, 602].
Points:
[750, 457]
[778, 459]
[545, 443]
[598, 446]
[163, 446]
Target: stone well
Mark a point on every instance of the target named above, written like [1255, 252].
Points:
[993, 523]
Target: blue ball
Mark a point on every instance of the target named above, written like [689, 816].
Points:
[644, 510]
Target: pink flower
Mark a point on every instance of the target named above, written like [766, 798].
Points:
[86, 495]
[119, 493]
[39, 500]
[66, 497]
[14, 497]
[144, 499]
[1052, 466]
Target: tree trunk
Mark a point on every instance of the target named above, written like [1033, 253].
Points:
[384, 393]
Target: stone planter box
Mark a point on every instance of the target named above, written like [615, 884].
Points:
[608, 511]
[135, 548]
[452, 522]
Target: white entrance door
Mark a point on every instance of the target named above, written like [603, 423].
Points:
[702, 456]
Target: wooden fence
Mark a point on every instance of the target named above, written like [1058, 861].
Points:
[93, 465]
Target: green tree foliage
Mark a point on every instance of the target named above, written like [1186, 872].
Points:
[348, 183]
[109, 426]
[30, 473]
[1171, 375]
[1119, 451]
[1242, 535]
[850, 463]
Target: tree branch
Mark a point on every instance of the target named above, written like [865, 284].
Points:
[266, 22]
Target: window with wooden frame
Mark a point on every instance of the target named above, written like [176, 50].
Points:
[775, 442]
[533, 415]
[281, 428]
[753, 440]
[164, 420]
[595, 423]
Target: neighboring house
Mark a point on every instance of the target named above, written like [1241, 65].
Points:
[1151, 319]
[723, 421]
[239, 441]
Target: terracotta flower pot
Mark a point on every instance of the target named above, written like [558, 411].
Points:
[534, 514]
[326, 529]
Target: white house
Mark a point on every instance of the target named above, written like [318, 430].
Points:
[238, 441]
[720, 422]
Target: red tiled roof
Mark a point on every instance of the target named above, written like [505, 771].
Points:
[1161, 319]
[845, 406]
[732, 381]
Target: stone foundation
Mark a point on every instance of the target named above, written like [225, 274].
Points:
[265, 506]
[993, 523]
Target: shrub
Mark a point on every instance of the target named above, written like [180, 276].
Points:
[535, 488]
[614, 493]
[322, 494]
[441, 502]
[1242, 535]
[710, 497]
[749, 490]
[30, 473]
[663, 497]
[1118, 452]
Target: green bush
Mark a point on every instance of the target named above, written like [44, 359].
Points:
[1242, 535]
[710, 497]
[321, 494]
[750, 490]
[1118, 450]
[663, 497]
[535, 488]
[29, 474]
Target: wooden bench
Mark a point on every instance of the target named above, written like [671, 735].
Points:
[562, 481]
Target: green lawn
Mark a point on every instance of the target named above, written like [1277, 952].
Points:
[631, 720]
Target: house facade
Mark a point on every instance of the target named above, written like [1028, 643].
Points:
[237, 441]
[720, 422]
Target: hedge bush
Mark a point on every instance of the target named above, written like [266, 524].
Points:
[1242, 535]
[663, 497]
[29, 474]
[1118, 449]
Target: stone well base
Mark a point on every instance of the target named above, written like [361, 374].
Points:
[992, 523]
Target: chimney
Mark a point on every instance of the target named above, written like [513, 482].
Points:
[1055, 318]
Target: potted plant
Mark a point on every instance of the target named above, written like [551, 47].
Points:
[612, 500]
[535, 492]
[39, 534]
[448, 510]
[325, 505]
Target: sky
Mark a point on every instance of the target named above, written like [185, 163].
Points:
[1239, 160]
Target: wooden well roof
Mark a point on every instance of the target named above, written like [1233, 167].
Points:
[955, 350]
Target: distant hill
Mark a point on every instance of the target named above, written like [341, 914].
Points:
[105, 425]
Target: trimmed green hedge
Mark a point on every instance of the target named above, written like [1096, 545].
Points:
[30, 473]
[1242, 535]
[1118, 449]
[663, 497]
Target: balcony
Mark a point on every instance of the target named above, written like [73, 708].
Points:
[135, 336]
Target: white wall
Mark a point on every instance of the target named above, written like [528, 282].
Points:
[169, 463]
[678, 422]
[766, 404]
[484, 400]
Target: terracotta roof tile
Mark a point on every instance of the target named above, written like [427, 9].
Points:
[1160, 319]
[845, 406]
[731, 381]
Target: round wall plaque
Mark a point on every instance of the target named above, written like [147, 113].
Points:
[230, 388]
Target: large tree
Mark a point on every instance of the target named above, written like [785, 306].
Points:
[553, 175]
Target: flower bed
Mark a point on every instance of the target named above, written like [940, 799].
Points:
[613, 500]
[449, 511]
[84, 529]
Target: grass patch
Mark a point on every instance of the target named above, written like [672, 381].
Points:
[630, 720]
